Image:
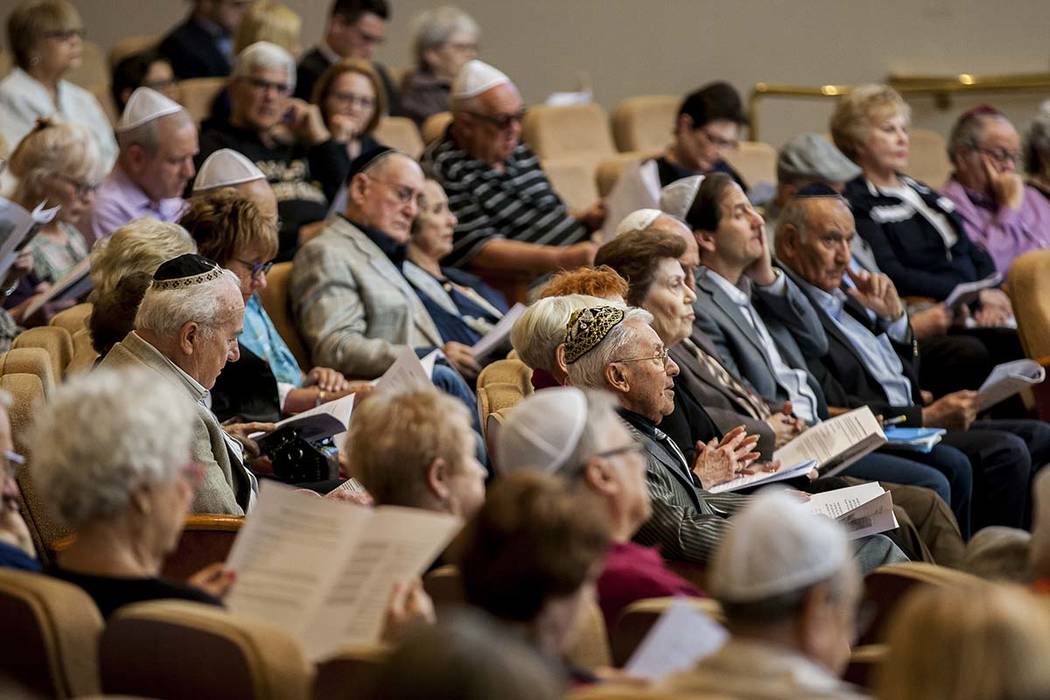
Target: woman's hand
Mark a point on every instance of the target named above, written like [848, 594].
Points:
[214, 579]
[462, 358]
[409, 605]
[719, 462]
[326, 379]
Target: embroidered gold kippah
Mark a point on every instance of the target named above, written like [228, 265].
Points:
[587, 328]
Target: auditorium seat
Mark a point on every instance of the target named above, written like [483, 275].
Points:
[206, 538]
[400, 133]
[640, 616]
[35, 361]
[72, 319]
[54, 340]
[131, 45]
[645, 123]
[6, 62]
[755, 161]
[444, 587]
[1029, 287]
[928, 158]
[589, 642]
[501, 385]
[863, 662]
[435, 125]
[51, 630]
[579, 132]
[573, 180]
[610, 169]
[178, 649]
[274, 298]
[84, 355]
[353, 668]
[197, 94]
[885, 587]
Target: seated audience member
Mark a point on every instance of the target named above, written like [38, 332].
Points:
[415, 449]
[355, 29]
[113, 456]
[351, 103]
[202, 46]
[966, 643]
[122, 268]
[465, 655]
[270, 21]
[305, 167]
[1000, 554]
[1037, 154]
[463, 307]
[617, 350]
[871, 360]
[997, 210]
[158, 141]
[601, 281]
[706, 128]
[577, 435]
[530, 557]
[354, 307]
[266, 381]
[186, 330]
[144, 69]
[790, 593]
[444, 39]
[16, 544]
[510, 218]
[539, 332]
[57, 164]
[229, 168]
[45, 37]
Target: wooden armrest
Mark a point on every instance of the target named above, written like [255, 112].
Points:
[837, 410]
[1043, 361]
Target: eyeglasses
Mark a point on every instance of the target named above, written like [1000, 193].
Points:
[719, 142]
[349, 99]
[266, 85]
[258, 269]
[1000, 155]
[502, 122]
[65, 34]
[83, 189]
[634, 447]
[404, 193]
[12, 463]
[662, 357]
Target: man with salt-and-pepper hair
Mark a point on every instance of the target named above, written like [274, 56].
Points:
[186, 330]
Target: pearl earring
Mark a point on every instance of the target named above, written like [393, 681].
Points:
[34, 60]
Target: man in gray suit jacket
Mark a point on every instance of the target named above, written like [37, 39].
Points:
[353, 306]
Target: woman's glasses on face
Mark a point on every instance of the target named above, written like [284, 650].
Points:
[65, 34]
[349, 99]
[258, 269]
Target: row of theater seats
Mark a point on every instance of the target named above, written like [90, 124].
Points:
[56, 644]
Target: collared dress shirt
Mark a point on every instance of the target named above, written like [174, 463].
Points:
[120, 201]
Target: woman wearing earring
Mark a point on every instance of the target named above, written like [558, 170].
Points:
[45, 38]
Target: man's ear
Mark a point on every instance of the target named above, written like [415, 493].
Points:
[136, 157]
[437, 479]
[683, 123]
[787, 243]
[616, 378]
[188, 335]
[598, 475]
[358, 189]
[706, 241]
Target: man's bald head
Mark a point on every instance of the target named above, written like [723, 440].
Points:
[691, 258]
[813, 239]
[386, 195]
[488, 125]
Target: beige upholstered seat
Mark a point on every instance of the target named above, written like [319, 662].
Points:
[928, 158]
[640, 616]
[179, 649]
[74, 318]
[579, 132]
[50, 633]
[350, 672]
[645, 123]
[400, 133]
[885, 587]
[1029, 284]
[589, 647]
[435, 125]
[275, 300]
[84, 354]
[444, 587]
[35, 361]
[54, 340]
[131, 45]
[573, 180]
[755, 161]
[205, 539]
[197, 94]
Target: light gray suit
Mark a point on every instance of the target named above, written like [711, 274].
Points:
[354, 308]
[226, 487]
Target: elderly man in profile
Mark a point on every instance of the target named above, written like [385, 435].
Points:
[158, 142]
[285, 137]
[790, 592]
[186, 331]
[998, 210]
[509, 217]
[617, 350]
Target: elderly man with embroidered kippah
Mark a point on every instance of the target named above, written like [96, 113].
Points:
[510, 218]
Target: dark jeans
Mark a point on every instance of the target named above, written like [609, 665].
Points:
[948, 463]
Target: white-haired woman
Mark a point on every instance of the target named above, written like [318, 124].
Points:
[112, 456]
[445, 39]
[540, 330]
[284, 136]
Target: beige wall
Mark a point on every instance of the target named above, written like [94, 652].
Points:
[632, 47]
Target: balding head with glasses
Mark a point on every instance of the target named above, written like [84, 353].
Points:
[487, 112]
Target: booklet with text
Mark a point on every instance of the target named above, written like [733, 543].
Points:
[764, 478]
[864, 510]
[323, 570]
[835, 443]
[969, 291]
[1008, 379]
[499, 336]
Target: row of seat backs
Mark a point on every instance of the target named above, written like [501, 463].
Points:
[1029, 287]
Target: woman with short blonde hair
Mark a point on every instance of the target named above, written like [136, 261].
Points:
[861, 110]
[270, 21]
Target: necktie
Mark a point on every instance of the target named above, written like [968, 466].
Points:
[746, 399]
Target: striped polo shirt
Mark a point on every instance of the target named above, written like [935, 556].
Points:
[517, 204]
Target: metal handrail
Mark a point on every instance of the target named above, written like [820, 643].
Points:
[937, 86]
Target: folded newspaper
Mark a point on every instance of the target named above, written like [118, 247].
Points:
[835, 443]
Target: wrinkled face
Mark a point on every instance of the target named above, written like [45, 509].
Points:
[629, 463]
[260, 100]
[59, 51]
[822, 254]
[702, 148]
[352, 96]
[998, 145]
[435, 223]
[389, 196]
[247, 264]
[216, 346]
[648, 373]
[446, 60]
[491, 130]
[740, 239]
[165, 174]
[75, 196]
[357, 39]
[885, 149]
[670, 301]
[467, 484]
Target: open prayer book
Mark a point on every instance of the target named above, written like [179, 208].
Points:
[1008, 379]
[864, 510]
[764, 478]
[968, 292]
[17, 227]
[330, 419]
[835, 443]
[74, 285]
[323, 571]
[497, 337]
[408, 371]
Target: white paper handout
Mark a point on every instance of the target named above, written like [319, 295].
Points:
[17, 224]
[73, 285]
[864, 510]
[969, 291]
[763, 477]
[496, 337]
[406, 372]
[638, 187]
[835, 443]
[1007, 379]
[682, 636]
[340, 409]
[323, 570]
